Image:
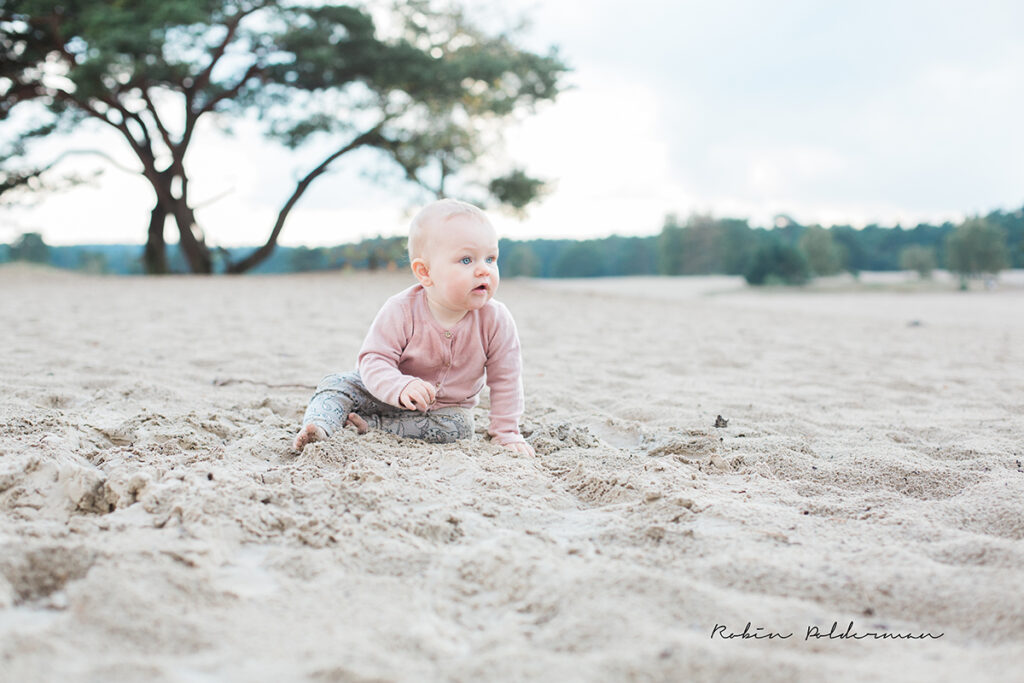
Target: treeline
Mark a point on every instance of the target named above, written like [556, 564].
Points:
[126, 259]
[788, 253]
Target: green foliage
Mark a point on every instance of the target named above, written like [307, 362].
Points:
[582, 259]
[919, 258]
[426, 89]
[705, 245]
[701, 248]
[632, 255]
[1012, 225]
[516, 189]
[303, 259]
[30, 247]
[824, 254]
[370, 254]
[93, 262]
[384, 252]
[978, 246]
[879, 248]
[516, 259]
[670, 248]
[778, 263]
[735, 243]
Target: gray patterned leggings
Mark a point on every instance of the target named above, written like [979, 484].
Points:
[340, 394]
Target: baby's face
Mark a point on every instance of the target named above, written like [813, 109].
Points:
[462, 255]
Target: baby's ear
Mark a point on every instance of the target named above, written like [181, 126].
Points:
[421, 271]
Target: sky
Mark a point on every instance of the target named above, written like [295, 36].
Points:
[829, 112]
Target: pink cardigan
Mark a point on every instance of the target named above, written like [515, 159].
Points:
[405, 342]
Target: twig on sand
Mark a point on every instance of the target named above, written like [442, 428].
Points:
[225, 382]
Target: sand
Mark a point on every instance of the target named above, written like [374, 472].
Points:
[154, 525]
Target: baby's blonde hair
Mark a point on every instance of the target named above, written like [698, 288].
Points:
[436, 213]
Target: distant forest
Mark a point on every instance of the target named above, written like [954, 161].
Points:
[700, 245]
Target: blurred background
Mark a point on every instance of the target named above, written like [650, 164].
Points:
[778, 141]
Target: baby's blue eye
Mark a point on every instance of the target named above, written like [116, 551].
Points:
[466, 260]
[490, 259]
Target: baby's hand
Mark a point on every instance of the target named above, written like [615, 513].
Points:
[417, 395]
[522, 448]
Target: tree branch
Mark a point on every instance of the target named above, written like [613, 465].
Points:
[143, 153]
[151, 108]
[370, 137]
[203, 78]
[96, 114]
[54, 22]
[89, 152]
[143, 148]
[11, 181]
[113, 102]
[410, 171]
[192, 116]
[214, 199]
[253, 69]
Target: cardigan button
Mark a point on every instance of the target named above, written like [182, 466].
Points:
[448, 333]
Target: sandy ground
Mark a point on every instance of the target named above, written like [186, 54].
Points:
[154, 526]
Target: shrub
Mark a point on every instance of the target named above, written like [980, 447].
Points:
[919, 258]
[778, 264]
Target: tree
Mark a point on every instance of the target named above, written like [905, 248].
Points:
[738, 245]
[701, 246]
[1012, 224]
[422, 86]
[516, 259]
[705, 245]
[824, 255]
[691, 249]
[777, 263]
[632, 255]
[30, 247]
[582, 259]
[918, 258]
[387, 252]
[976, 247]
[305, 259]
[670, 247]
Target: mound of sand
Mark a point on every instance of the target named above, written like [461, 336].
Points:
[155, 526]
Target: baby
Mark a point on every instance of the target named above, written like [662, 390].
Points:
[431, 347]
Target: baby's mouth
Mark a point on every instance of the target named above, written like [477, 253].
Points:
[480, 288]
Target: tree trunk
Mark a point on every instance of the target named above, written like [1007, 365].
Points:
[194, 247]
[155, 255]
[197, 254]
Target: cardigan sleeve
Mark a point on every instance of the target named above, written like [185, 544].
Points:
[387, 338]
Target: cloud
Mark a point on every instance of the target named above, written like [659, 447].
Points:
[870, 111]
[604, 144]
[831, 112]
